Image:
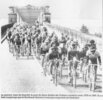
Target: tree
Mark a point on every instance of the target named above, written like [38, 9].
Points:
[98, 35]
[84, 29]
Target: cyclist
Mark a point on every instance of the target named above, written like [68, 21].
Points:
[18, 44]
[82, 56]
[44, 50]
[93, 57]
[23, 42]
[29, 44]
[63, 39]
[53, 54]
[73, 53]
[44, 34]
[9, 35]
[92, 43]
[63, 53]
[55, 40]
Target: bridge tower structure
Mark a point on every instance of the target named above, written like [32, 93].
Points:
[30, 14]
[12, 16]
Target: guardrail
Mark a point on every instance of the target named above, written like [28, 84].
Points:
[76, 34]
[3, 31]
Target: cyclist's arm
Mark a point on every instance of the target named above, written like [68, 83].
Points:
[68, 55]
[87, 59]
[87, 56]
[99, 59]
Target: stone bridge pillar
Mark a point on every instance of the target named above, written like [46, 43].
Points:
[12, 17]
[47, 15]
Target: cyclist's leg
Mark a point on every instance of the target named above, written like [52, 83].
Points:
[95, 77]
[70, 67]
[43, 57]
[91, 77]
[70, 71]
[29, 49]
[16, 49]
[51, 67]
[95, 69]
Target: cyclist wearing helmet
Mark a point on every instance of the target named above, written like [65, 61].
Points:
[82, 56]
[44, 50]
[29, 44]
[92, 43]
[53, 54]
[63, 39]
[83, 52]
[93, 57]
[63, 53]
[73, 53]
[44, 34]
[55, 41]
[77, 44]
[18, 43]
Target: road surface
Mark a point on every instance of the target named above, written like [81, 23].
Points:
[25, 76]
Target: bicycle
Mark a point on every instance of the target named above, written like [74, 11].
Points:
[75, 64]
[63, 65]
[17, 50]
[43, 64]
[84, 69]
[55, 71]
[92, 74]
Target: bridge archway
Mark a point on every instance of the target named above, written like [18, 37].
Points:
[30, 14]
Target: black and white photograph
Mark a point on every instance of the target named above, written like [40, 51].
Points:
[51, 49]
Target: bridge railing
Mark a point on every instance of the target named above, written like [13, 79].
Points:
[84, 38]
[3, 31]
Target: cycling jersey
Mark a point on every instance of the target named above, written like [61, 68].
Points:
[63, 40]
[23, 40]
[18, 42]
[44, 49]
[73, 53]
[54, 53]
[93, 57]
[39, 40]
[63, 51]
[55, 42]
[29, 39]
[82, 54]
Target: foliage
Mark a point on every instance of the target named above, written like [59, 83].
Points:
[84, 29]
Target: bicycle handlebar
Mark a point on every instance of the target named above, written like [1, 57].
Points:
[93, 64]
[75, 60]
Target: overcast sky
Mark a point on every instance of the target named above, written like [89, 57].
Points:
[61, 9]
[83, 9]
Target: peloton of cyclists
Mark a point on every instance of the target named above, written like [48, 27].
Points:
[48, 46]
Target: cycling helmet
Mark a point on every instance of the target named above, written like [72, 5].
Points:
[93, 48]
[38, 31]
[92, 42]
[76, 42]
[73, 44]
[45, 29]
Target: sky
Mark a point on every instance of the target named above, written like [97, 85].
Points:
[71, 11]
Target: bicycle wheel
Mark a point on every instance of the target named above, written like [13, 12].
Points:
[56, 76]
[45, 69]
[92, 78]
[74, 78]
[17, 52]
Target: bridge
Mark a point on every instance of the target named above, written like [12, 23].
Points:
[30, 14]
[27, 75]
[27, 14]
